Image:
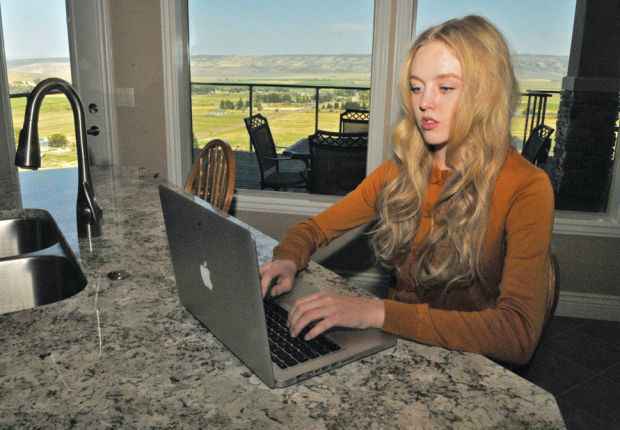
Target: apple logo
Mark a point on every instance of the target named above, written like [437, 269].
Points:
[206, 276]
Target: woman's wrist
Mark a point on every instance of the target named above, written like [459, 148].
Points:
[378, 313]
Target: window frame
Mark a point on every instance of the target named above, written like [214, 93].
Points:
[393, 33]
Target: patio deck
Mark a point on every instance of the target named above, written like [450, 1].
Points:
[248, 174]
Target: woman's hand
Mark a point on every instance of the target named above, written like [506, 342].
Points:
[282, 272]
[329, 310]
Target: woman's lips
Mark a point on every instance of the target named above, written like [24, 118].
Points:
[429, 123]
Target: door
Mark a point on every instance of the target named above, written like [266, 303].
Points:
[92, 73]
[69, 43]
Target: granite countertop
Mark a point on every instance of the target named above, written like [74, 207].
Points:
[126, 354]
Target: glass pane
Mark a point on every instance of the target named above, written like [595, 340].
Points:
[37, 47]
[263, 60]
[540, 53]
[540, 36]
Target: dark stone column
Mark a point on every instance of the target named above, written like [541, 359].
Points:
[581, 168]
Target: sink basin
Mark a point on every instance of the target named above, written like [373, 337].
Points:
[25, 235]
[37, 266]
[31, 281]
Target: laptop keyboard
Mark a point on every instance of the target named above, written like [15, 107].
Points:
[287, 351]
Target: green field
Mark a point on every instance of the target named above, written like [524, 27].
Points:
[288, 121]
[55, 116]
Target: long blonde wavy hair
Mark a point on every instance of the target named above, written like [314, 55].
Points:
[450, 255]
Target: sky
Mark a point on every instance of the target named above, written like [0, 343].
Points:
[37, 28]
[34, 28]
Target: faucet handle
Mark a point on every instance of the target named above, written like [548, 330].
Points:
[93, 130]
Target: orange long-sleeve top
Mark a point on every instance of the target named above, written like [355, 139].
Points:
[502, 319]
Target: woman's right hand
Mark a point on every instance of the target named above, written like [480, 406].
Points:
[283, 271]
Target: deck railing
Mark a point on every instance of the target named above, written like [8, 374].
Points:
[251, 87]
[536, 110]
[533, 106]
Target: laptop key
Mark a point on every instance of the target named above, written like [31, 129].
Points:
[296, 354]
[292, 350]
[280, 363]
[283, 356]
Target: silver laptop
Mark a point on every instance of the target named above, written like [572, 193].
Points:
[216, 270]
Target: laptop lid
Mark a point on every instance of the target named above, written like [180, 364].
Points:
[216, 270]
[218, 284]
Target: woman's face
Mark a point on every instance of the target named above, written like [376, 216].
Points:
[435, 82]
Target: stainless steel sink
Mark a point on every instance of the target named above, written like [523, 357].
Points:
[25, 235]
[32, 281]
[37, 266]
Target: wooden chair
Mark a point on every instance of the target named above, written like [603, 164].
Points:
[213, 175]
[354, 121]
[337, 160]
[553, 292]
[269, 161]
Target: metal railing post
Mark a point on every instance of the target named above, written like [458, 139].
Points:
[316, 109]
[527, 118]
[251, 101]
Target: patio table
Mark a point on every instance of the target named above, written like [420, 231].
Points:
[299, 150]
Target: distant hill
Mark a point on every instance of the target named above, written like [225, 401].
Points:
[23, 72]
[553, 67]
[28, 61]
[264, 66]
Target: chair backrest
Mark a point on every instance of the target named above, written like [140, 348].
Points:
[338, 161]
[262, 142]
[213, 175]
[536, 149]
[354, 121]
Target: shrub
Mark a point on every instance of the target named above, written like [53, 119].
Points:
[351, 105]
[57, 140]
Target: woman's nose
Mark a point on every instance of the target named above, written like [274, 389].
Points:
[427, 101]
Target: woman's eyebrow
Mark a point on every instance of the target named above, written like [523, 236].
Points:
[449, 75]
[440, 76]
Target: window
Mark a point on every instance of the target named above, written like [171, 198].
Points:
[392, 35]
[299, 67]
[581, 157]
[36, 47]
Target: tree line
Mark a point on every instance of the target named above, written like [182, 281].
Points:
[327, 101]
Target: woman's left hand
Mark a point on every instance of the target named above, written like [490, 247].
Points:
[330, 310]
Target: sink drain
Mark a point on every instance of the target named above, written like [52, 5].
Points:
[118, 275]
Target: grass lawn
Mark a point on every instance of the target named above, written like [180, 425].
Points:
[55, 116]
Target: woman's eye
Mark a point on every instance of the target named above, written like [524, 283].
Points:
[415, 89]
[445, 88]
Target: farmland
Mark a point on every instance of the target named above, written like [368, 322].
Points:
[218, 111]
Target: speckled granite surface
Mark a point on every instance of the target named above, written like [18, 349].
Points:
[125, 354]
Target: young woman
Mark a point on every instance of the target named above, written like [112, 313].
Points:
[463, 219]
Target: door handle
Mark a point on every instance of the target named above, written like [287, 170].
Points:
[93, 131]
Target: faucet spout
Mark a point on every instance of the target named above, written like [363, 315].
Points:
[28, 155]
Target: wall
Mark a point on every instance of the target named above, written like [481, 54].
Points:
[588, 264]
[9, 185]
[137, 56]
